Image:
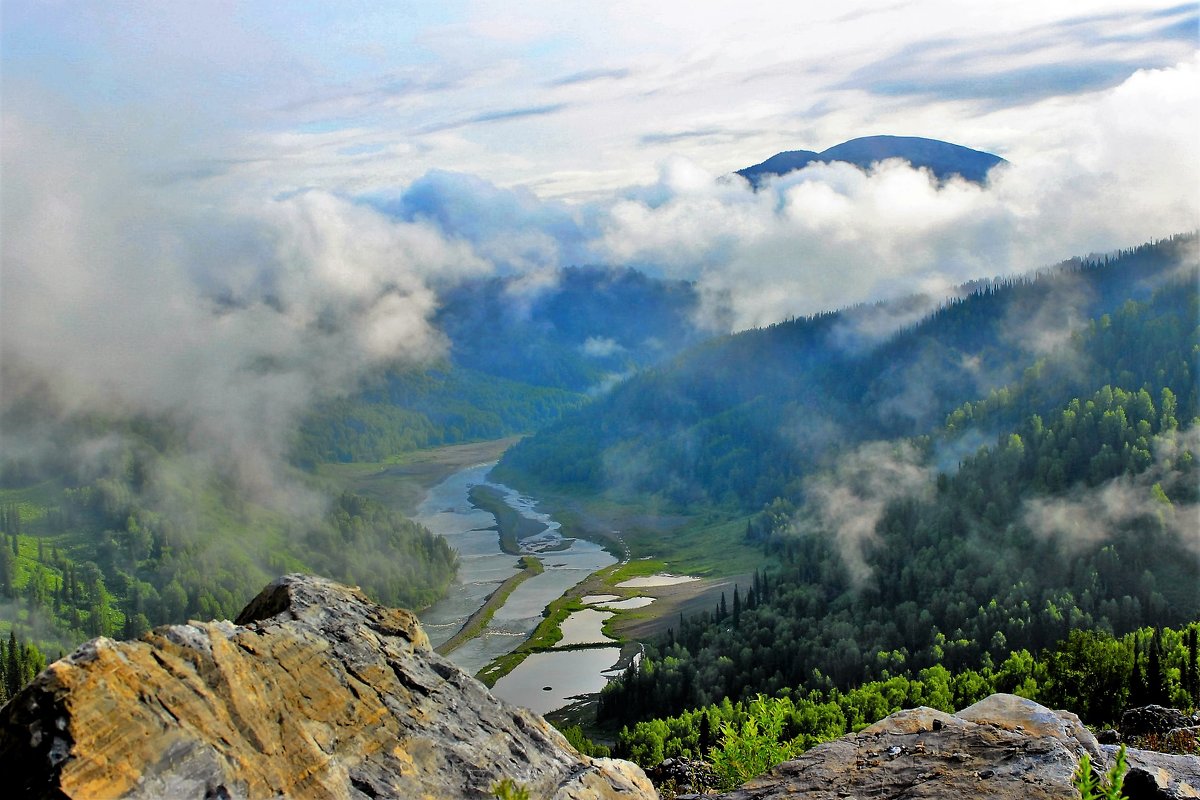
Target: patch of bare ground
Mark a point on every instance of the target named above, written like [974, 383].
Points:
[671, 601]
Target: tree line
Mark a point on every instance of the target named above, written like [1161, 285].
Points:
[1090, 672]
[1072, 518]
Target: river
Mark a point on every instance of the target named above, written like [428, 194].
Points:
[447, 511]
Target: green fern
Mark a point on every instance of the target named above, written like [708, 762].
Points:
[1107, 788]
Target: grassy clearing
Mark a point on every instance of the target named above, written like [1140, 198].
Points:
[549, 631]
[544, 637]
[401, 482]
[704, 543]
[706, 547]
[618, 573]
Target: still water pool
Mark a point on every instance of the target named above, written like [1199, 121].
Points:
[547, 681]
[447, 511]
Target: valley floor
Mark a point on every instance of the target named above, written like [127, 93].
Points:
[402, 484]
[645, 540]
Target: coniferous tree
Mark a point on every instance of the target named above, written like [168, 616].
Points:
[1138, 691]
[12, 667]
[706, 733]
[6, 573]
[1192, 667]
[1155, 678]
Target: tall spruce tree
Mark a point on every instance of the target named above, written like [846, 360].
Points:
[1192, 667]
[12, 666]
[1156, 679]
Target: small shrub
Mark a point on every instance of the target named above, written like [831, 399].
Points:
[1107, 788]
[508, 789]
[749, 750]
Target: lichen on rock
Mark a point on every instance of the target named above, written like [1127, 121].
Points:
[314, 691]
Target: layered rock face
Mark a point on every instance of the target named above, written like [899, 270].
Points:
[314, 691]
[1001, 747]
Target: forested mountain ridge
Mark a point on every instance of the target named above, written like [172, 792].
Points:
[411, 408]
[574, 329]
[1065, 499]
[891, 567]
[943, 159]
[740, 420]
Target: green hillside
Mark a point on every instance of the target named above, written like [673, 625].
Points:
[1064, 499]
[739, 420]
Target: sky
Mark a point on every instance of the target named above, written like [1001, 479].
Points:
[228, 210]
[570, 100]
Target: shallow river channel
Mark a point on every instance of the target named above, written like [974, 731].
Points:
[542, 682]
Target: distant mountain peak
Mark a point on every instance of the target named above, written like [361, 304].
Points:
[943, 159]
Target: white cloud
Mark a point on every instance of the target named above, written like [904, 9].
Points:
[832, 235]
[752, 78]
[1088, 518]
[601, 347]
[848, 501]
[118, 298]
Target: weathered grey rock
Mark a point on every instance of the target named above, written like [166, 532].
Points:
[1159, 776]
[1002, 747]
[683, 776]
[1152, 719]
[1015, 713]
[314, 692]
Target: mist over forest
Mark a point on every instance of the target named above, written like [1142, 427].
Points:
[918, 412]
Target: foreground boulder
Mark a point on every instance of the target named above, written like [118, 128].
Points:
[314, 691]
[1002, 747]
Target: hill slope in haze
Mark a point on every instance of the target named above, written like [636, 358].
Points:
[943, 159]
[575, 329]
[740, 420]
[121, 524]
[521, 353]
[1015, 466]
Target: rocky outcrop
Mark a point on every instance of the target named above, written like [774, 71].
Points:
[314, 691]
[683, 776]
[1159, 776]
[1001, 747]
[1155, 720]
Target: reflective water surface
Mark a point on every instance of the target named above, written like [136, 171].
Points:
[447, 511]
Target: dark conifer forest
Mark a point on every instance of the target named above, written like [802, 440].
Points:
[1060, 501]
